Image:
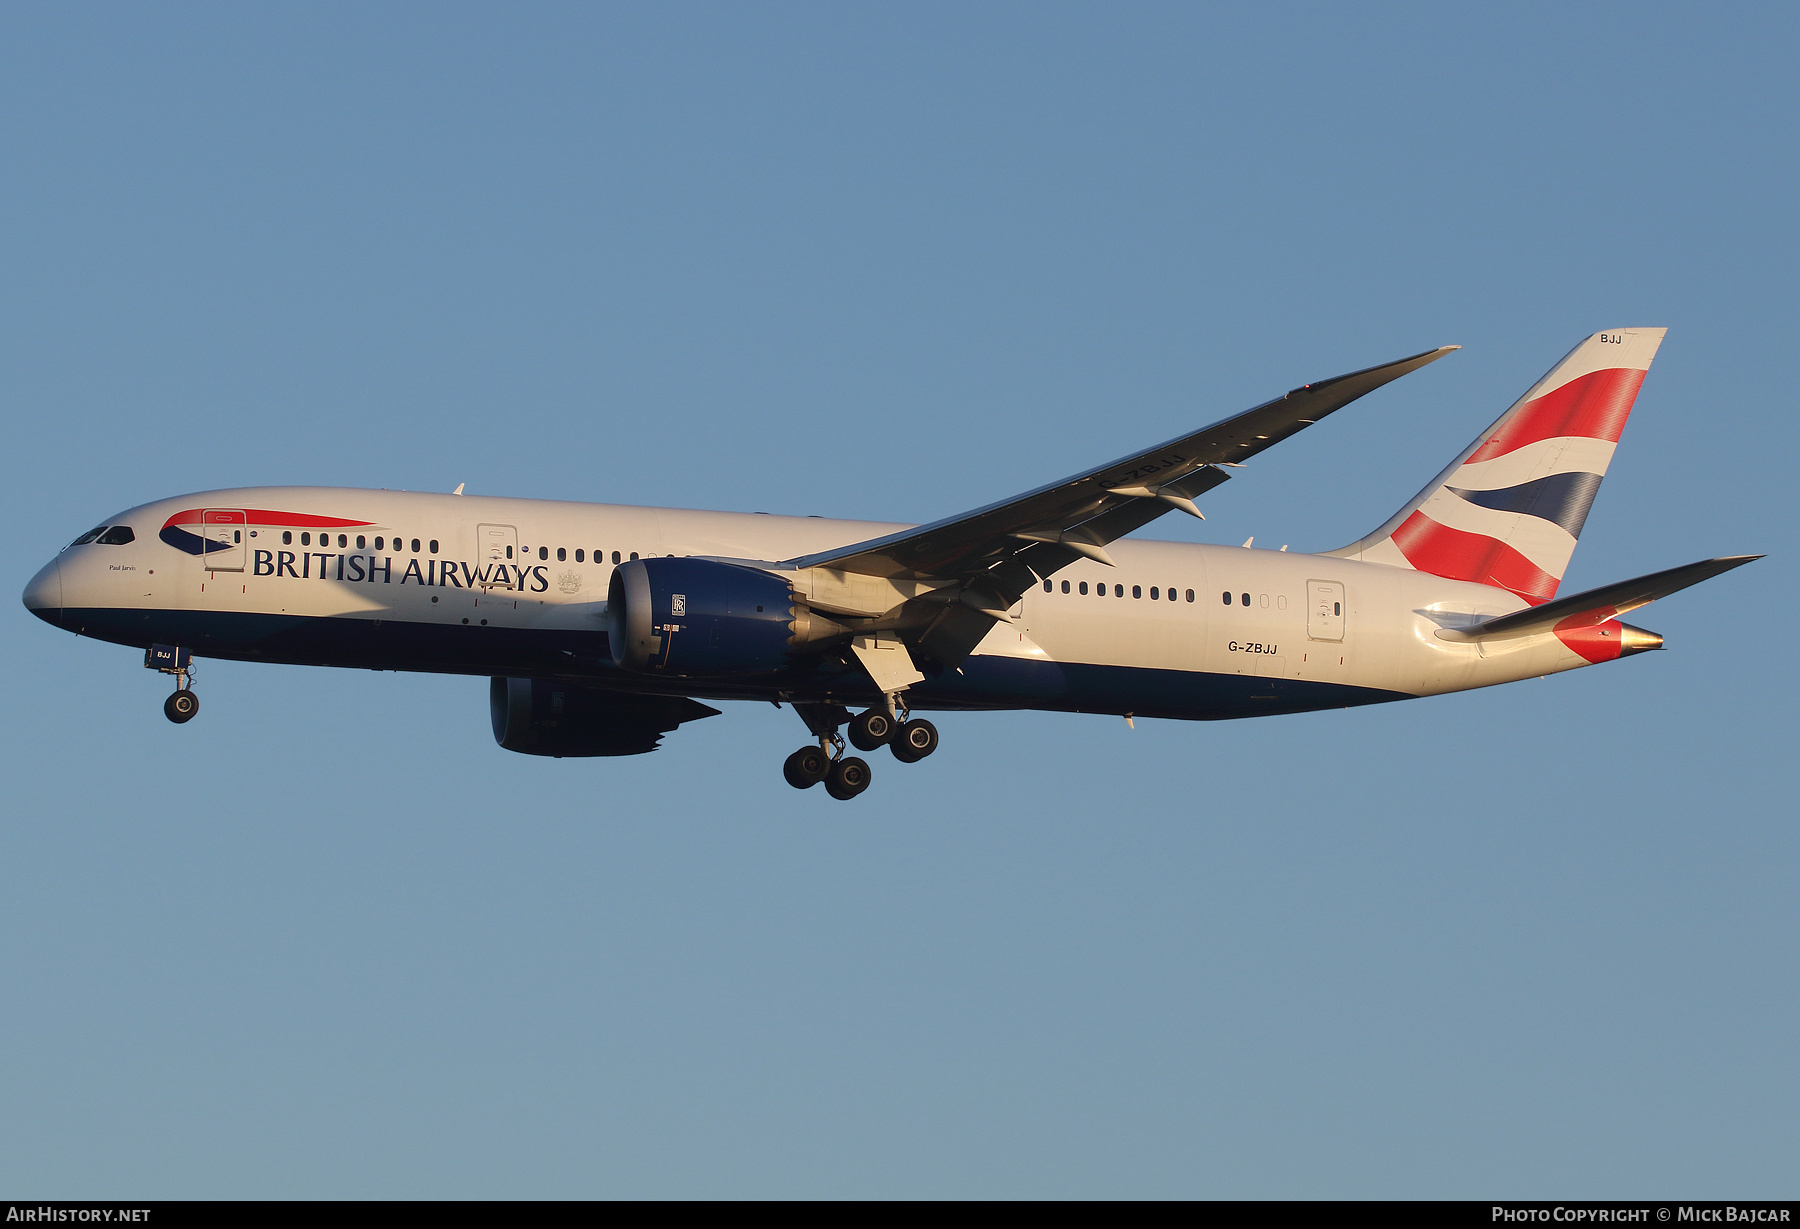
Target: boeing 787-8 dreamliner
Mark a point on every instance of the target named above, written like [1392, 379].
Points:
[603, 627]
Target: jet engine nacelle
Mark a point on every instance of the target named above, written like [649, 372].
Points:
[552, 717]
[702, 618]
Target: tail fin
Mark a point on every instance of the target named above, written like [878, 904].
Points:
[1508, 511]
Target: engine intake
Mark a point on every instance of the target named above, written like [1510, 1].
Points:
[703, 618]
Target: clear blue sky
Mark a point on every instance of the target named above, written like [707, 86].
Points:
[896, 261]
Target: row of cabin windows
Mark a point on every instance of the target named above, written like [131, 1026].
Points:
[1244, 599]
[1156, 591]
[362, 543]
[562, 554]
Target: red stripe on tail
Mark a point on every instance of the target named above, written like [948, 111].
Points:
[1595, 405]
[1457, 555]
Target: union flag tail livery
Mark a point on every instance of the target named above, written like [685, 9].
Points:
[1508, 511]
[602, 628]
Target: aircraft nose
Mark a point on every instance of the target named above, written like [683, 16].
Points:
[43, 596]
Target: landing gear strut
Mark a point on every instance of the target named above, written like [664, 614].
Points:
[845, 776]
[169, 659]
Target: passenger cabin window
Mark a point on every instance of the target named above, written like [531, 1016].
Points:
[1046, 586]
[1137, 591]
[1118, 590]
[306, 539]
[543, 552]
[1084, 588]
[580, 554]
[1227, 598]
[561, 554]
[1065, 586]
[433, 546]
[378, 543]
[633, 555]
[362, 543]
[118, 535]
[1246, 599]
[1190, 595]
[616, 556]
[1153, 594]
[343, 541]
[415, 546]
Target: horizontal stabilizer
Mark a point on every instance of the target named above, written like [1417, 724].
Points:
[1596, 606]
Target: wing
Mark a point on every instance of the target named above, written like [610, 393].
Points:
[986, 559]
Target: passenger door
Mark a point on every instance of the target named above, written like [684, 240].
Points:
[223, 530]
[497, 548]
[1324, 610]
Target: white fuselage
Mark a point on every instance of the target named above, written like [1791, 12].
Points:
[1317, 631]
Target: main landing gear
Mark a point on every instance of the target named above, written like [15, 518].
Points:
[846, 776]
[169, 659]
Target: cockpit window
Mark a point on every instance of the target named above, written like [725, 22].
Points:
[89, 536]
[118, 535]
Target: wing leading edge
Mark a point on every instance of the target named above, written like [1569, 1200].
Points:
[1108, 501]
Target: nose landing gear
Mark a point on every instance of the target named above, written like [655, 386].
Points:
[181, 706]
[170, 659]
